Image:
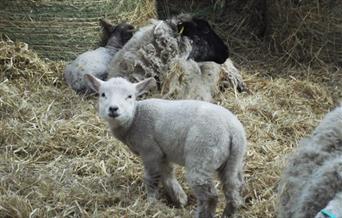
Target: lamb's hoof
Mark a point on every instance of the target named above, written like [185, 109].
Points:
[241, 87]
[229, 211]
[152, 198]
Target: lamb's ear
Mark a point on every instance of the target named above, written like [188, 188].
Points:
[93, 82]
[106, 25]
[145, 85]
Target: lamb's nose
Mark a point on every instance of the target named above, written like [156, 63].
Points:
[113, 109]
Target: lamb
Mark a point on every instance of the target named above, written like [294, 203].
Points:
[182, 41]
[96, 61]
[203, 137]
[312, 180]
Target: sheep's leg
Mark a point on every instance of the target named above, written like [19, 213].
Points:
[173, 188]
[152, 175]
[200, 181]
[232, 185]
[231, 176]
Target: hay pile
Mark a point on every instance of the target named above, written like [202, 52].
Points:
[62, 29]
[57, 157]
[306, 31]
[285, 32]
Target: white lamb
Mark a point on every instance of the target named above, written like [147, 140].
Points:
[96, 61]
[203, 137]
[311, 185]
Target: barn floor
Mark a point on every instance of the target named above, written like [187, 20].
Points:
[57, 157]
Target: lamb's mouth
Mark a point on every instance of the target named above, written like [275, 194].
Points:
[113, 115]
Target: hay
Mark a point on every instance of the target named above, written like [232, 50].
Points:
[282, 32]
[306, 31]
[57, 157]
[62, 29]
[300, 33]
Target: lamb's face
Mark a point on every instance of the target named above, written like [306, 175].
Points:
[120, 34]
[115, 36]
[117, 99]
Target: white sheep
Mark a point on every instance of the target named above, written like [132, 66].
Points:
[203, 137]
[312, 180]
[184, 41]
[96, 61]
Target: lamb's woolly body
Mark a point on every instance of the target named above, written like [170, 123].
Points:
[314, 173]
[171, 124]
[155, 50]
[96, 62]
[203, 137]
[93, 62]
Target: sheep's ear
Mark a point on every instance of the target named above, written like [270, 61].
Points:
[93, 82]
[145, 85]
[130, 28]
[106, 25]
[202, 25]
[180, 28]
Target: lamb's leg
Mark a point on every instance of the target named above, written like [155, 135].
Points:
[232, 74]
[231, 176]
[152, 175]
[200, 181]
[173, 188]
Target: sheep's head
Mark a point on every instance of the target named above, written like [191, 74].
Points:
[207, 45]
[117, 97]
[115, 36]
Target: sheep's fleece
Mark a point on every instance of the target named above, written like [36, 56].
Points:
[312, 180]
[159, 51]
[95, 62]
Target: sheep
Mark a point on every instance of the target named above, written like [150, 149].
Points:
[206, 44]
[198, 80]
[312, 180]
[204, 77]
[157, 47]
[96, 61]
[203, 137]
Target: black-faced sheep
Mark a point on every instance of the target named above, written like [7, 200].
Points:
[203, 137]
[161, 46]
[312, 180]
[206, 44]
[96, 62]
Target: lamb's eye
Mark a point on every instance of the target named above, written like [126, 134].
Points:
[130, 96]
[103, 94]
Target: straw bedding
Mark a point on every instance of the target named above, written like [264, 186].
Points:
[58, 158]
